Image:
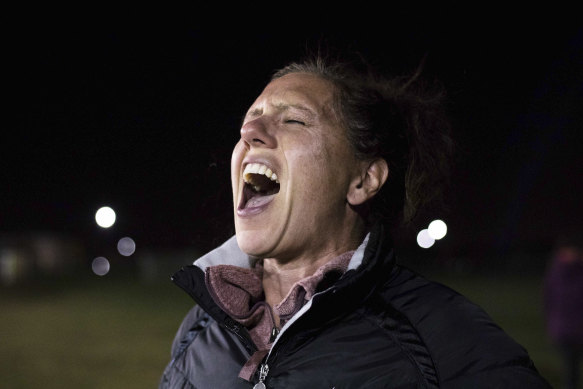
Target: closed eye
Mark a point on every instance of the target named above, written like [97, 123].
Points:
[293, 121]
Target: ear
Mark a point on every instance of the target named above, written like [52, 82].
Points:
[371, 179]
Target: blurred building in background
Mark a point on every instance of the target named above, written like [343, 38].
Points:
[37, 255]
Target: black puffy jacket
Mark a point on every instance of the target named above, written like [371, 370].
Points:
[378, 326]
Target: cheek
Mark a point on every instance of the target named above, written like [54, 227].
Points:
[237, 156]
[307, 165]
[236, 161]
[330, 162]
[317, 174]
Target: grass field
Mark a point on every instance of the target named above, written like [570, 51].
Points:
[116, 333]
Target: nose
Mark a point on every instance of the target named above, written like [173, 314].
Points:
[257, 133]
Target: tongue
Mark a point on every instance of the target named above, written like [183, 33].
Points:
[258, 201]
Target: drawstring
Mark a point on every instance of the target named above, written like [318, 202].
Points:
[274, 329]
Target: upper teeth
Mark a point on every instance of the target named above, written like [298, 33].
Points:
[258, 168]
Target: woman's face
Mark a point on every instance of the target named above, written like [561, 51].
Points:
[291, 171]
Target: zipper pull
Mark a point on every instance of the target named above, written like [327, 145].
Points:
[274, 333]
[262, 374]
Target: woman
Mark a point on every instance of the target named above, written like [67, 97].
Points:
[308, 293]
[563, 303]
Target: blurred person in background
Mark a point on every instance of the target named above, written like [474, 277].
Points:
[308, 293]
[563, 294]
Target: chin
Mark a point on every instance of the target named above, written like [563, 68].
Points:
[252, 243]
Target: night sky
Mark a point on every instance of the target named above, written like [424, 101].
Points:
[143, 119]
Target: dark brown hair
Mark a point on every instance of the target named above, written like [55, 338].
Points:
[399, 119]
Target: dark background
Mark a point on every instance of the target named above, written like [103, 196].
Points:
[143, 118]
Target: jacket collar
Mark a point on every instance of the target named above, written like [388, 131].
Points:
[367, 273]
[229, 253]
[370, 267]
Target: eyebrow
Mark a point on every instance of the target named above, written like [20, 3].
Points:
[281, 107]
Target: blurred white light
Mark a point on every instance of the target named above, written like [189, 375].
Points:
[105, 217]
[424, 240]
[437, 229]
[100, 266]
[126, 246]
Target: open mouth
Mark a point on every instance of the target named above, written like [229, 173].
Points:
[261, 185]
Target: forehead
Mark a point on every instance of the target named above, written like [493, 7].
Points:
[296, 90]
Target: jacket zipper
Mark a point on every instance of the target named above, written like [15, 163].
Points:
[264, 369]
[262, 374]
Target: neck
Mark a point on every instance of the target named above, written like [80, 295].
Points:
[280, 276]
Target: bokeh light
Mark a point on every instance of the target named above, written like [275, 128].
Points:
[437, 229]
[100, 266]
[126, 246]
[424, 240]
[105, 217]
